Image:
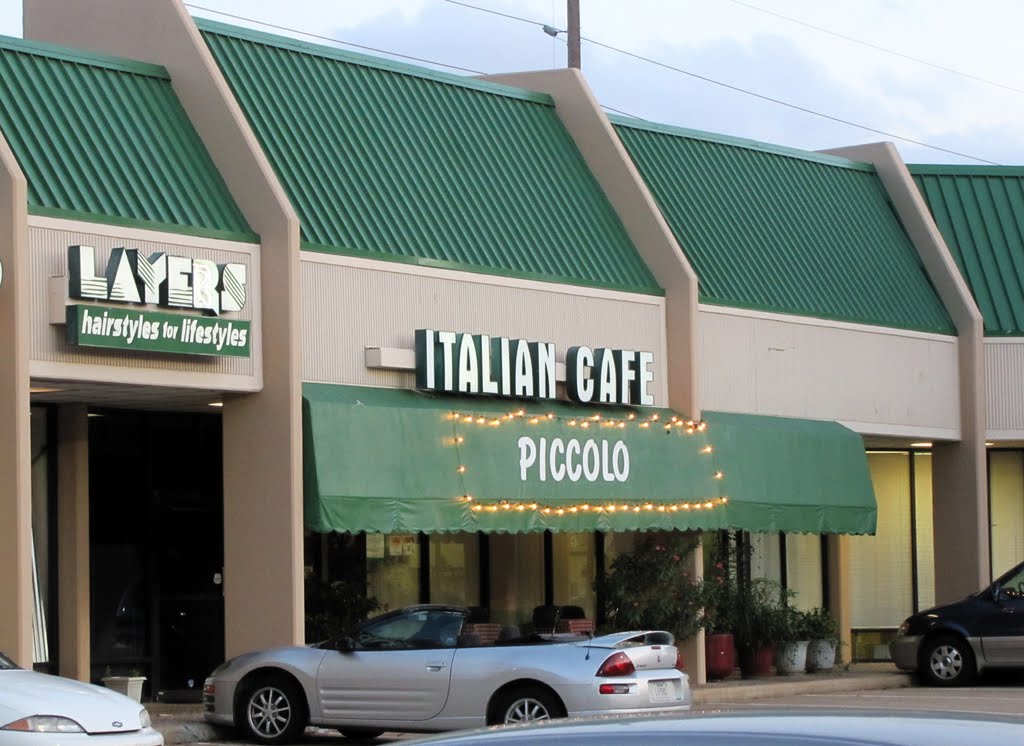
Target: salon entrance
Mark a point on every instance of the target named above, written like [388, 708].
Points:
[156, 548]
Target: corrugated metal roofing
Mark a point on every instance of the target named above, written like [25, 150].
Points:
[100, 138]
[783, 230]
[980, 212]
[398, 162]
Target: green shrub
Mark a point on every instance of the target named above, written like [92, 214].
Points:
[335, 608]
[652, 588]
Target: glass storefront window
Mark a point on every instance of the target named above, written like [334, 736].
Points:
[803, 570]
[393, 569]
[881, 569]
[765, 557]
[925, 530]
[517, 577]
[1006, 500]
[574, 571]
[455, 569]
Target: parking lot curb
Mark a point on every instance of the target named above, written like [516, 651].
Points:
[810, 684]
[193, 731]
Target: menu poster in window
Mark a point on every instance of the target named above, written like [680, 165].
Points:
[402, 545]
[375, 546]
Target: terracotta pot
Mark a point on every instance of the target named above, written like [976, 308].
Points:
[720, 655]
[757, 662]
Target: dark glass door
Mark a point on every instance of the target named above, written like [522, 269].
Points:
[157, 550]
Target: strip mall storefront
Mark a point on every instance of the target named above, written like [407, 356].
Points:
[470, 340]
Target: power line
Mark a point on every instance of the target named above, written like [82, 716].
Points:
[336, 41]
[879, 48]
[787, 104]
[738, 89]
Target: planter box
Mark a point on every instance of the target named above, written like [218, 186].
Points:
[129, 686]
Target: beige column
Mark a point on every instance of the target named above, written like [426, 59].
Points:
[15, 430]
[632, 201]
[959, 470]
[838, 601]
[263, 530]
[73, 539]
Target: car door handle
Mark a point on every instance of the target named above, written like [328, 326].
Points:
[436, 666]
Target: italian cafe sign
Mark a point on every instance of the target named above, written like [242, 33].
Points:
[455, 363]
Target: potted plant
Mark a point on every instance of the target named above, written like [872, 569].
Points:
[791, 647]
[718, 596]
[759, 625]
[823, 632]
[652, 588]
[130, 685]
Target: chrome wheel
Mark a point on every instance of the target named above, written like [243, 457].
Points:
[946, 662]
[526, 710]
[269, 712]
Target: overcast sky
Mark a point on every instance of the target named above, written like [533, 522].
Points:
[974, 107]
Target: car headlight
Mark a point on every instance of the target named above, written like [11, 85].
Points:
[45, 724]
[904, 628]
[144, 718]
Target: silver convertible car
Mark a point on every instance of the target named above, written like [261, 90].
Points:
[417, 669]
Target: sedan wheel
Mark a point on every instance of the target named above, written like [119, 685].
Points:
[275, 711]
[525, 706]
[948, 661]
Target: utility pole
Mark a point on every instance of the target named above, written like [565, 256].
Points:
[573, 13]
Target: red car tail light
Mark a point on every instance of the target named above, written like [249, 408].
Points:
[613, 689]
[617, 664]
[680, 665]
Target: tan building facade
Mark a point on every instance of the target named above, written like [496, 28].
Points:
[223, 536]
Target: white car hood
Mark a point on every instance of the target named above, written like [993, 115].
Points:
[95, 708]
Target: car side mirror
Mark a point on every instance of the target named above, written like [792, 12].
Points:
[997, 594]
[345, 644]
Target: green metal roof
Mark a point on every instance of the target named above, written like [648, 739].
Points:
[396, 162]
[980, 212]
[784, 230]
[104, 139]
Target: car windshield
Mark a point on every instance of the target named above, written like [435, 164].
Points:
[6, 664]
[1013, 584]
[419, 628]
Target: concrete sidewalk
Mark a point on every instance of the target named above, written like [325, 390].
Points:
[183, 723]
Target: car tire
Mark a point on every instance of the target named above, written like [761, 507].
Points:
[274, 710]
[366, 733]
[947, 660]
[525, 705]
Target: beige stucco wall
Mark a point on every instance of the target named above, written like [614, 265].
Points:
[349, 304]
[262, 431]
[876, 381]
[15, 434]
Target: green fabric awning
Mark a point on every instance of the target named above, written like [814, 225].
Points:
[400, 461]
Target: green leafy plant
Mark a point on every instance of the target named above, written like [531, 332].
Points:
[335, 608]
[762, 616]
[719, 597]
[652, 588]
[821, 625]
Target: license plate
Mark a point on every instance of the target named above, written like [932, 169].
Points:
[661, 691]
